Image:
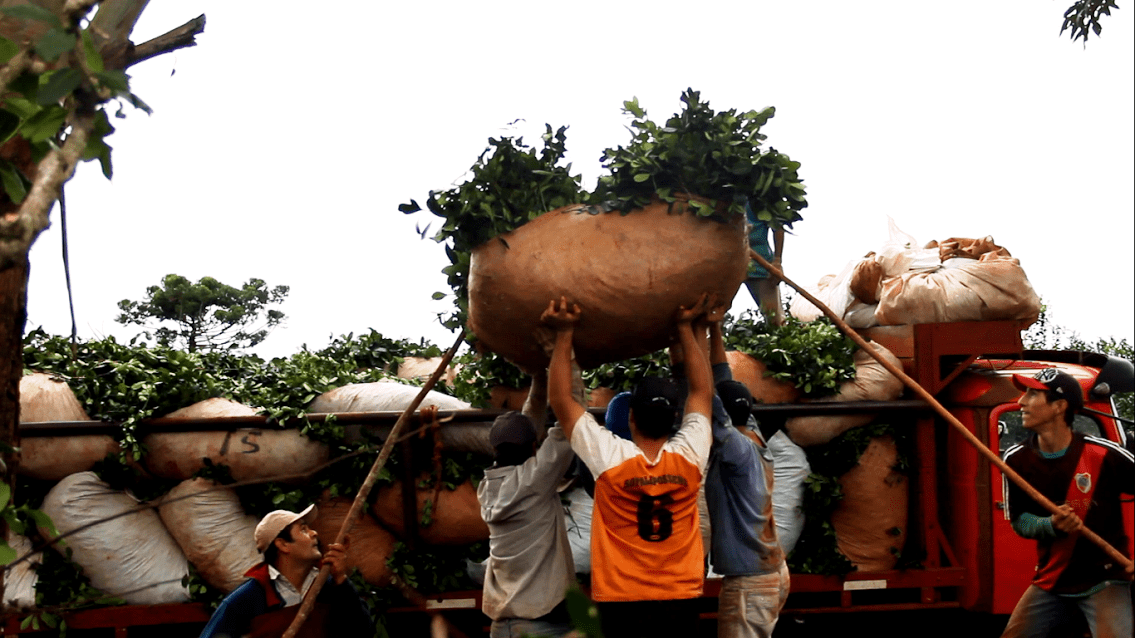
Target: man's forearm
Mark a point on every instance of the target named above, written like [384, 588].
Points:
[698, 373]
[559, 382]
[716, 344]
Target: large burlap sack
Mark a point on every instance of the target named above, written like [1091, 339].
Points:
[420, 369]
[751, 372]
[45, 398]
[132, 556]
[380, 396]
[789, 469]
[251, 453]
[210, 526]
[370, 546]
[870, 521]
[988, 289]
[872, 382]
[455, 517]
[19, 581]
[628, 273]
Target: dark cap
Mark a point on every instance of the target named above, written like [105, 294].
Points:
[1061, 384]
[514, 428]
[737, 399]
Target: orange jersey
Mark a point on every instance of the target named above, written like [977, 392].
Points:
[645, 536]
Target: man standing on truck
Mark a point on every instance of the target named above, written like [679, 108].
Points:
[745, 548]
[1086, 476]
[530, 565]
[266, 603]
[646, 548]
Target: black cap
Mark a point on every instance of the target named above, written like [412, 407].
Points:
[1062, 384]
[514, 428]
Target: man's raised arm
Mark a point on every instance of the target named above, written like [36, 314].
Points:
[698, 373]
[562, 319]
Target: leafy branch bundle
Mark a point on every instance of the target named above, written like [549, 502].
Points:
[817, 551]
[815, 356]
[715, 155]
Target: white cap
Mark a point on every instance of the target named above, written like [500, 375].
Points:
[275, 522]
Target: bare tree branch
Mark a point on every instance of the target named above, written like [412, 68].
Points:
[178, 38]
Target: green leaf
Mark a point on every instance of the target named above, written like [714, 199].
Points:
[33, 12]
[9, 124]
[91, 52]
[114, 80]
[8, 50]
[53, 44]
[14, 187]
[5, 494]
[439, 295]
[43, 521]
[7, 554]
[59, 84]
[412, 207]
[641, 177]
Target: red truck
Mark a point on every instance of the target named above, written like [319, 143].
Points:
[973, 561]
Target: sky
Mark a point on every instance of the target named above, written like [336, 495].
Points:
[282, 144]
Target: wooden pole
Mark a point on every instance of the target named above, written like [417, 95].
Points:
[940, 409]
[368, 483]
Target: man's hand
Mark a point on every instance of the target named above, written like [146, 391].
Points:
[688, 315]
[336, 557]
[716, 311]
[1066, 520]
[561, 317]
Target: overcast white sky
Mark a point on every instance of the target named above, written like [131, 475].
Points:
[281, 146]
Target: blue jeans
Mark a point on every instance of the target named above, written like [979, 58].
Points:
[1107, 611]
[520, 627]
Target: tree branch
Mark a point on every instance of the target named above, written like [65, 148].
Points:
[18, 230]
[180, 38]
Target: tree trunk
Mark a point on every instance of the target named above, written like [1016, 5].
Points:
[13, 314]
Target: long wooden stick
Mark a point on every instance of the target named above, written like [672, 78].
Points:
[940, 409]
[368, 483]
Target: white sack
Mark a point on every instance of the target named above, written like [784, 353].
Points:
[988, 289]
[252, 453]
[46, 398]
[380, 396]
[213, 531]
[19, 581]
[789, 470]
[872, 382]
[132, 556]
[577, 517]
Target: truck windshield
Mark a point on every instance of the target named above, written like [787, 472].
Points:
[1012, 432]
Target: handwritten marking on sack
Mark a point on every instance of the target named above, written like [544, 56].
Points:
[225, 444]
[254, 447]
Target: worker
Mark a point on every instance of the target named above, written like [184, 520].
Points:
[530, 564]
[266, 603]
[1085, 475]
[762, 285]
[647, 566]
[745, 549]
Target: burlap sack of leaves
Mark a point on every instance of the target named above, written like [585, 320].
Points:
[454, 515]
[628, 273]
[991, 288]
[44, 397]
[251, 453]
[751, 372]
[872, 382]
[870, 521]
[371, 544]
[210, 526]
[131, 556]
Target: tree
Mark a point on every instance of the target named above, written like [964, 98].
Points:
[1046, 335]
[207, 315]
[1084, 16]
[61, 71]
